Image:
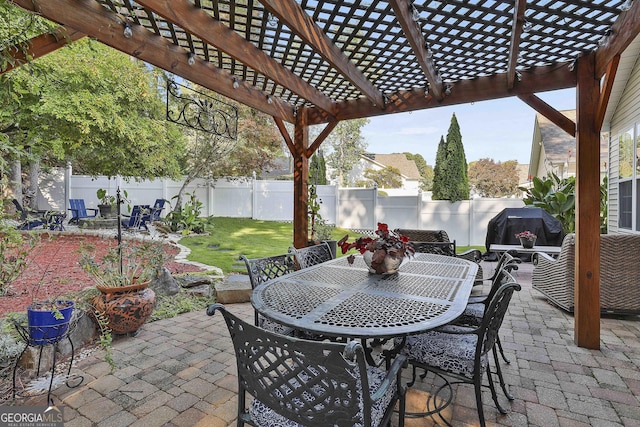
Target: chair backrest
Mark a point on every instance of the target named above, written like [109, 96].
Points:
[501, 277]
[156, 210]
[493, 317]
[78, 209]
[438, 248]
[424, 235]
[309, 382]
[312, 255]
[262, 269]
[136, 218]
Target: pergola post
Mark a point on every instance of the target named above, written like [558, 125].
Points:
[300, 180]
[587, 249]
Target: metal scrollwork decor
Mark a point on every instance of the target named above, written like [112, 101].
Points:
[196, 110]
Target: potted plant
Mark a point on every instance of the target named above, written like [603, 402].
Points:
[106, 202]
[384, 253]
[122, 276]
[527, 239]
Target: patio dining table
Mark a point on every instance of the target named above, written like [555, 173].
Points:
[339, 299]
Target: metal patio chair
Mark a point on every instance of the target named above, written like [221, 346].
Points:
[462, 353]
[262, 269]
[312, 255]
[296, 382]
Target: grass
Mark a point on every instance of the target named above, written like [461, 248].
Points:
[229, 238]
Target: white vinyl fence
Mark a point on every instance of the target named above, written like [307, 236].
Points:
[352, 208]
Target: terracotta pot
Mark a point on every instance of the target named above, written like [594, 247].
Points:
[126, 308]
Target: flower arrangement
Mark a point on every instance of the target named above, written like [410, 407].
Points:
[386, 243]
[527, 235]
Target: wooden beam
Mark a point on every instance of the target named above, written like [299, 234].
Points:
[559, 119]
[605, 92]
[587, 271]
[300, 181]
[293, 16]
[42, 45]
[623, 32]
[538, 79]
[413, 33]
[199, 23]
[285, 135]
[89, 17]
[320, 139]
[514, 45]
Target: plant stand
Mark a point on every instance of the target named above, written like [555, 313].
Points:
[24, 334]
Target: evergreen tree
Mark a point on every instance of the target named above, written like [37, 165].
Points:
[450, 180]
[317, 170]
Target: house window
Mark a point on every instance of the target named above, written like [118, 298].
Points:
[627, 172]
[629, 179]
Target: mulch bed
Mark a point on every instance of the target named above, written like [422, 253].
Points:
[54, 263]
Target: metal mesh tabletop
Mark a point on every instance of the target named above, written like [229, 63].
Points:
[339, 299]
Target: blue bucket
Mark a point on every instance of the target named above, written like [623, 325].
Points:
[44, 328]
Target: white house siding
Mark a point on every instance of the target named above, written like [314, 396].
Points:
[625, 117]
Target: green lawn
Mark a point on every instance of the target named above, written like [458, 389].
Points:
[231, 237]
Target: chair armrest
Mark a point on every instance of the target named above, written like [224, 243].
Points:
[471, 255]
[541, 257]
[395, 370]
[95, 210]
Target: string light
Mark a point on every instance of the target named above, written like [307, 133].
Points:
[192, 58]
[414, 13]
[527, 26]
[236, 84]
[128, 33]
[447, 89]
[429, 53]
[269, 99]
[626, 5]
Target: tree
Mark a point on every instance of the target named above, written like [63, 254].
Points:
[347, 144]
[388, 177]
[213, 157]
[450, 180]
[491, 179]
[94, 107]
[426, 171]
[317, 170]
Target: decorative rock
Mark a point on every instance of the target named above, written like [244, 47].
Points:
[165, 284]
[201, 290]
[236, 288]
[191, 280]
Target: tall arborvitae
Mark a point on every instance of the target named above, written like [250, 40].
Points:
[450, 180]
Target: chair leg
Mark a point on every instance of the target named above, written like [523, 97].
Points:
[494, 395]
[477, 385]
[503, 385]
[507, 361]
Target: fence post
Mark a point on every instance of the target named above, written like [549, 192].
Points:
[68, 173]
[419, 210]
[374, 226]
[254, 196]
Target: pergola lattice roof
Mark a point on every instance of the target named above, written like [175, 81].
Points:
[356, 58]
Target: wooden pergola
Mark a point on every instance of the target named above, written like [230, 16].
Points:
[312, 62]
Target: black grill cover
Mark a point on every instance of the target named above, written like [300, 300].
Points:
[503, 227]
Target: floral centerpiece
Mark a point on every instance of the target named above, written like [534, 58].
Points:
[527, 238]
[383, 253]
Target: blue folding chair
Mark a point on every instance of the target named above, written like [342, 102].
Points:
[136, 220]
[30, 219]
[156, 210]
[79, 211]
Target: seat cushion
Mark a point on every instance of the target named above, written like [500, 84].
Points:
[472, 315]
[264, 416]
[448, 352]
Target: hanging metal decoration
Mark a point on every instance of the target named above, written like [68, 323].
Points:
[196, 110]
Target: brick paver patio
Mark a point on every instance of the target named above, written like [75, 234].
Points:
[181, 372]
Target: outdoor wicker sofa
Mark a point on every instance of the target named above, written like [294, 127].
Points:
[619, 274]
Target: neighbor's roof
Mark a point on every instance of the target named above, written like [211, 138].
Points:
[399, 161]
[558, 145]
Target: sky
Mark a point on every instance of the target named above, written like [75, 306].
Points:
[500, 129]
